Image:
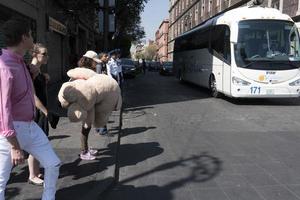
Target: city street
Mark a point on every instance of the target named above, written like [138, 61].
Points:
[179, 143]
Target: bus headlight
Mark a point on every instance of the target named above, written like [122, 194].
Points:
[240, 82]
[295, 83]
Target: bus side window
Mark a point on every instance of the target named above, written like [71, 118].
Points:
[220, 42]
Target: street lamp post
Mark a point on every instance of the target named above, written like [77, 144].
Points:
[106, 20]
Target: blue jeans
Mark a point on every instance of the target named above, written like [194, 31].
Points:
[31, 139]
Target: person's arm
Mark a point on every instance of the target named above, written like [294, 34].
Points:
[47, 77]
[6, 121]
[34, 71]
[98, 68]
[108, 67]
[40, 105]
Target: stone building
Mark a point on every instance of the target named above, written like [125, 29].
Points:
[161, 40]
[186, 14]
[66, 32]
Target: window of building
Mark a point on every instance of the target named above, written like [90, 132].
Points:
[203, 7]
[196, 14]
[179, 8]
[210, 7]
[275, 4]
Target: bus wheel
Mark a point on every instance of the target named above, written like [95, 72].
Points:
[213, 87]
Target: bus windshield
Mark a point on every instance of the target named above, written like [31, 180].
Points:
[267, 45]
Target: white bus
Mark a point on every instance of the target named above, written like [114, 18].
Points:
[244, 52]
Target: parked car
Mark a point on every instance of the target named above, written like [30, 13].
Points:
[128, 67]
[166, 69]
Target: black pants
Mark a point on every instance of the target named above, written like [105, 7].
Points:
[42, 121]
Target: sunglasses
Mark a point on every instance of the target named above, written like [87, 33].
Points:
[44, 54]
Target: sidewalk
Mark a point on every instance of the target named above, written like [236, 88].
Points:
[78, 179]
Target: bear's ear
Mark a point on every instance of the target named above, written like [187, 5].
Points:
[81, 73]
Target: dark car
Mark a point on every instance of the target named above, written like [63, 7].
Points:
[154, 66]
[166, 69]
[128, 68]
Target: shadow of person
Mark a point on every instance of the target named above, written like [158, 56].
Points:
[80, 169]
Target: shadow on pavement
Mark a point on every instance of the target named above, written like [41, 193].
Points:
[131, 154]
[80, 169]
[10, 193]
[58, 137]
[264, 101]
[201, 168]
[153, 89]
[131, 131]
[79, 191]
[135, 130]
[138, 108]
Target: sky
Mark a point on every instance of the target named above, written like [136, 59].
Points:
[154, 13]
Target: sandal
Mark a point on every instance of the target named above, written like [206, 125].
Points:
[35, 182]
[41, 176]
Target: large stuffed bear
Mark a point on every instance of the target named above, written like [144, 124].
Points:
[90, 97]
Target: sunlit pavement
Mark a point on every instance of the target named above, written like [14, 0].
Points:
[179, 143]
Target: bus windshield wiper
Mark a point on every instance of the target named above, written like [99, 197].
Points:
[273, 61]
[255, 61]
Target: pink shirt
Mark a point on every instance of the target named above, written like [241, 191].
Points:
[16, 92]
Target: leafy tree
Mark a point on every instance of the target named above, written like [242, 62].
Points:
[139, 55]
[150, 52]
[128, 21]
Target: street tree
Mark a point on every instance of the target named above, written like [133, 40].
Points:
[128, 24]
[139, 56]
[150, 52]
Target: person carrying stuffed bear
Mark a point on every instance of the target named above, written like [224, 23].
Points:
[90, 98]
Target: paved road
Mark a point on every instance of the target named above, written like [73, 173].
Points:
[179, 143]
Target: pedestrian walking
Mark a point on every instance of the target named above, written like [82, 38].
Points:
[89, 60]
[40, 80]
[112, 66]
[144, 66]
[101, 67]
[17, 107]
[120, 70]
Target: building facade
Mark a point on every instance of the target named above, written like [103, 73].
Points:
[161, 40]
[67, 35]
[186, 14]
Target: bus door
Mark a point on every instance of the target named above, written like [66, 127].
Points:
[220, 47]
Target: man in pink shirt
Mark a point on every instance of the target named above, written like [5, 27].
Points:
[18, 130]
